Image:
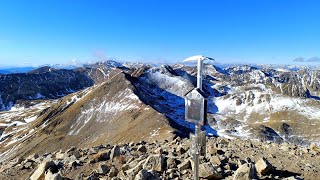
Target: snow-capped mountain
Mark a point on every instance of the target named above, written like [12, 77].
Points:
[114, 102]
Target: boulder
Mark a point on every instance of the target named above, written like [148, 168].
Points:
[80, 176]
[215, 160]
[42, 168]
[184, 165]
[143, 175]
[33, 157]
[93, 151]
[115, 151]
[113, 172]
[159, 150]
[28, 165]
[155, 162]
[142, 148]
[245, 172]
[262, 166]
[60, 156]
[207, 171]
[147, 175]
[53, 176]
[102, 156]
[103, 169]
[181, 149]
[133, 171]
[171, 163]
[122, 175]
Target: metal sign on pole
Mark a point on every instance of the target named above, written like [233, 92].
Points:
[196, 112]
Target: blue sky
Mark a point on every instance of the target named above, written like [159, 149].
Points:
[239, 31]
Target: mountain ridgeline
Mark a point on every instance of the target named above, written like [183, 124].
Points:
[110, 102]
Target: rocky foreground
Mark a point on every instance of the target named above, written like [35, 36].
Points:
[225, 159]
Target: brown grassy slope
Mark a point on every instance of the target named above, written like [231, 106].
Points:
[128, 125]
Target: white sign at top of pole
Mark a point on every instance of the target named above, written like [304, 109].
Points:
[200, 59]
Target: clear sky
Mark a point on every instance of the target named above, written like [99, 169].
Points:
[245, 31]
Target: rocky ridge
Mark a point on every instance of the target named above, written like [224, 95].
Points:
[225, 159]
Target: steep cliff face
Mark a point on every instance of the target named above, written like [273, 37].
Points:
[44, 83]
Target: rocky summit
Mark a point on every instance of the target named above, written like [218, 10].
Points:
[232, 159]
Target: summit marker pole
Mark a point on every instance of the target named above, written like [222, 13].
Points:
[198, 148]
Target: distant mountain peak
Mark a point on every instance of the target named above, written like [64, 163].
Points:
[41, 70]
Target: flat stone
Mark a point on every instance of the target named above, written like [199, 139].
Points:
[134, 171]
[262, 166]
[155, 162]
[207, 171]
[245, 172]
[184, 165]
[215, 160]
[41, 170]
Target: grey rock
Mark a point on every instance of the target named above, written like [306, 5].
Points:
[115, 178]
[47, 158]
[115, 151]
[215, 160]
[102, 169]
[73, 151]
[28, 165]
[142, 148]
[171, 163]
[41, 169]
[207, 171]
[147, 175]
[184, 165]
[33, 157]
[133, 171]
[93, 176]
[60, 155]
[93, 151]
[181, 150]
[292, 178]
[53, 176]
[70, 159]
[125, 167]
[122, 175]
[155, 162]
[262, 166]
[159, 150]
[248, 160]
[245, 172]
[240, 162]
[80, 176]
[113, 172]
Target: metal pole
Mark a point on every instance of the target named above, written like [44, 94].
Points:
[199, 75]
[198, 126]
[196, 154]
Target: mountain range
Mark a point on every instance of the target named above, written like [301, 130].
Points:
[48, 109]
